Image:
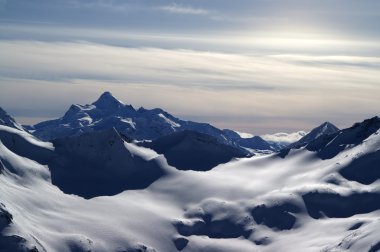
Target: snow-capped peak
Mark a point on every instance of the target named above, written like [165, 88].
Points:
[325, 128]
[108, 101]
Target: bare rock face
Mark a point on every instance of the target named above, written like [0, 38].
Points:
[100, 164]
[191, 150]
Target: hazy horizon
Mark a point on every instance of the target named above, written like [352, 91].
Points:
[253, 66]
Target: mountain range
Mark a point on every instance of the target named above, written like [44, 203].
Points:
[90, 182]
[142, 124]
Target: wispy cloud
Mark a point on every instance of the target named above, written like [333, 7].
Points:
[257, 43]
[106, 5]
[240, 89]
[184, 9]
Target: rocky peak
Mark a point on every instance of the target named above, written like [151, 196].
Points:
[108, 101]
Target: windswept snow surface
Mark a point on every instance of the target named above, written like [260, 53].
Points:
[6, 132]
[268, 203]
[7, 120]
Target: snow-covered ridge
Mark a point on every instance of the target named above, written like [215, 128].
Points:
[7, 120]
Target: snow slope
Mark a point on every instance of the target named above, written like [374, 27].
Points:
[266, 203]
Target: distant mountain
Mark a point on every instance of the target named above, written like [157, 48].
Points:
[191, 150]
[141, 124]
[329, 145]
[247, 141]
[7, 120]
[282, 140]
[325, 128]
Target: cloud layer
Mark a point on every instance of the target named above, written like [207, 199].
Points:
[251, 93]
[183, 9]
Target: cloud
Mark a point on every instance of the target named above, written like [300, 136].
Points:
[83, 60]
[332, 60]
[104, 5]
[284, 137]
[183, 9]
[60, 61]
[249, 93]
[120, 6]
[247, 43]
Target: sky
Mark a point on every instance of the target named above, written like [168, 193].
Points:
[256, 66]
